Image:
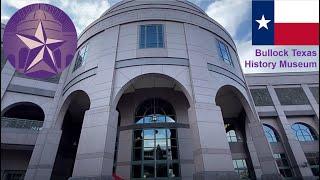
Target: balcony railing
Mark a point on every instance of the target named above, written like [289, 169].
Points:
[21, 123]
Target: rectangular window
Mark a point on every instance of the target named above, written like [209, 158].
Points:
[81, 57]
[286, 95]
[283, 165]
[240, 166]
[13, 174]
[151, 36]
[313, 160]
[231, 136]
[224, 52]
[136, 171]
[261, 97]
[155, 154]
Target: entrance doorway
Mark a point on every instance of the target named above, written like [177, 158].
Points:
[71, 129]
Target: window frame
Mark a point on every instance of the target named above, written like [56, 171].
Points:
[154, 161]
[275, 137]
[261, 96]
[315, 157]
[237, 169]
[284, 94]
[228, 61]
[310, 132]
[229, 127]
[230, 137]
[78, 64]
[146, 36]
[142, 109]
[281, 157]
[6, 173]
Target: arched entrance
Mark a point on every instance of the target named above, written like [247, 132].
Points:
[25, 119]
[155, 149]
[154, 111]
[24, 115]
[74, 109]
[235, 119]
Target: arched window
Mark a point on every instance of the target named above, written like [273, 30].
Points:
[155, 143]
[303, 132]
[154, 111]
[270, 133]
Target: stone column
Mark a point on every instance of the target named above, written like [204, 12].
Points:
[260, 150]
[212, 155]
[252, 151]
[43, 155]
[312, 100]
[124, 154]
[292, 146]
[94, 157]
[95, 152]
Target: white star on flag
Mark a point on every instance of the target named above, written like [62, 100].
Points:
[263, 22]
[40, 40]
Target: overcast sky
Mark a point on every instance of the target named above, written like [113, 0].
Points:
[234, 15]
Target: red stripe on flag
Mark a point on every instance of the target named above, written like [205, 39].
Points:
[296, 33]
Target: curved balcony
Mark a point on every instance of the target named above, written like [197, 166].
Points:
[18, 123]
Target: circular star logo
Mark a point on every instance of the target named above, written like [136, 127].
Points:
[40, 40]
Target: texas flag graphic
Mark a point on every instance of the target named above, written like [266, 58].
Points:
[285, 22]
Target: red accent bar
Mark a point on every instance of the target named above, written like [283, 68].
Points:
[296, 33]
[116, 177]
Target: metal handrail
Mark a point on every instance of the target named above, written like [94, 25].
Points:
[7, 122]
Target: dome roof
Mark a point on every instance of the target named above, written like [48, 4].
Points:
[129, 4]
[128, 11]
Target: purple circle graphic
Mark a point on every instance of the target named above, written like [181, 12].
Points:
[40, 40]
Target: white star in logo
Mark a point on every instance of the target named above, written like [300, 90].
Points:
[42, 45]
[263, 22]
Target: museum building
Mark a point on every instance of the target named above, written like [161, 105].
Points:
[156, 91]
